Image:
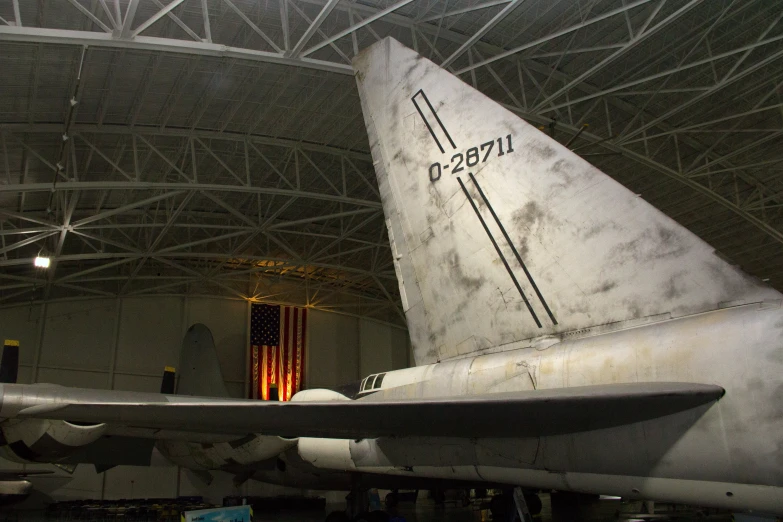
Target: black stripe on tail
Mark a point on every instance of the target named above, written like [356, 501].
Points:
[497, 249]
[513, 249]
[427, 122]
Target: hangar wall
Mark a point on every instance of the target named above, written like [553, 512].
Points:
[124, 344]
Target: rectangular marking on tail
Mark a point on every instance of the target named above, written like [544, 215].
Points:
[497, 249]
[432, 111]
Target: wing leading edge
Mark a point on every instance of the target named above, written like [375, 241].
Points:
[516, 414]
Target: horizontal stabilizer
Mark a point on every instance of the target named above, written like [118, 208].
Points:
[539, 412]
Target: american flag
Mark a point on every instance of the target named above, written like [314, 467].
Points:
[278, 340]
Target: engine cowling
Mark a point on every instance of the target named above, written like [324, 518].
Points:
[43, 440]
[245, 451]
[249, 450]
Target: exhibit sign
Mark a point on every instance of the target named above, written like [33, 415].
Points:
[221, 514]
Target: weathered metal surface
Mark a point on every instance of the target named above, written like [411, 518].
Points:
[496, 228]
[631, 307]
[733, 441]
[557, 410]
[575, 281]
[15, 488]
[246, 451]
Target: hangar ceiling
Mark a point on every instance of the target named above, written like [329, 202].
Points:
[217, 147]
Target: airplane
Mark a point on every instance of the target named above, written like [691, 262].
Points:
[14, 484]
[273, 460]
[567, 335]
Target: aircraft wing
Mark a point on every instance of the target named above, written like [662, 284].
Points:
[6, 474]
[515, 414]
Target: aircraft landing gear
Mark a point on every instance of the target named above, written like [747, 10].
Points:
[515, 505]
[357, 509]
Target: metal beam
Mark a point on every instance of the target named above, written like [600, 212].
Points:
[475, 37]
[172, 45]
[176, 19]
[327, 8]
[697, 63]
[554, 35]
[635, 41]
[315, 219]
[86, 12]
[152, 186]
[207, 25]
[130, 14]
[154, 18]
[284, 24]
[157, 240]
[119, 210]
[356, 27]
[122, 258]
[154, 131]
[253, 26]
[464, 10]
[17, 16]
[727, 80]
[28, 241]
[114, 21]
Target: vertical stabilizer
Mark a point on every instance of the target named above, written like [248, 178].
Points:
[199, 365]
[9, 364]
[500, 234]
[169, 380]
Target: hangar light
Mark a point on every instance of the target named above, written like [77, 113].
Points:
[42, 262]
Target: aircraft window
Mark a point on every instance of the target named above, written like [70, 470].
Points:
[372, 382]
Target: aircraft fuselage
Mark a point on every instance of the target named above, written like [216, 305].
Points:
[725, 454]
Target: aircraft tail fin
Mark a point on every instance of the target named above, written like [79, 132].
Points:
[9, 364]
[199, 365]
[168, 382]
[500, 234]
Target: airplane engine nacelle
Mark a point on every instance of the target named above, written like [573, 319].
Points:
[208, 456]
[248, 450]
[42, 440]
[327, 453]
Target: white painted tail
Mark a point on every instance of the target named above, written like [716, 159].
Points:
[501, 235]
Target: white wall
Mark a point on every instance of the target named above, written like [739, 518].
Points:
[124, 344]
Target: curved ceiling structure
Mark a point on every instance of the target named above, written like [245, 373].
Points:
[217, 146]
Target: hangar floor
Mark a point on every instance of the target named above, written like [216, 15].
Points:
[426, 510]
[606, 510]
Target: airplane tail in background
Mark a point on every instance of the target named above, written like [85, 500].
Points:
[199, 367]
[9, 364]
[500, 234]
[169, 380]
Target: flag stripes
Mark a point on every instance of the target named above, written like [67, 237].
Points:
[278, 340]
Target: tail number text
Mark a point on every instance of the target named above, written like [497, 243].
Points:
[472, 157]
